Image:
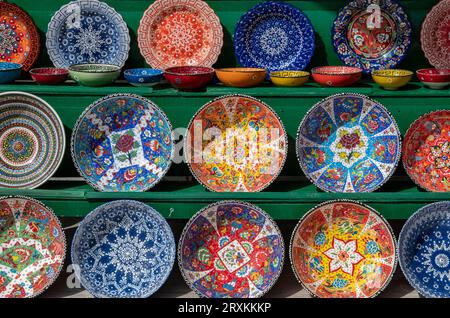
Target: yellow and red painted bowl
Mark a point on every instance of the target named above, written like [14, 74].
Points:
[289, 78]
[392, 79]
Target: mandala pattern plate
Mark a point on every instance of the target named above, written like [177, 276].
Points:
[348, 143]
[435, 35]
[372, 36]
[122, 142]
[32, 247]
[32, 140]
[248, 149]
[343, 249]
[231, 250]
[87, 31]
[275, 36]
[123, 249]
[424, 250]
[426, 151]
[19, 38]
[179, 33]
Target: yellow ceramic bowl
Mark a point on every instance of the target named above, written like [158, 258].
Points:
[289, 78]
[241, 76]
[392, 79]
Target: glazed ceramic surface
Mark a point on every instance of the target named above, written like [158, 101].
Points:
[9, 72]
[372, 35]
[392, 79]
[180, 32]
[249, 148]
[289, 78]
[123, 249]
[434, 35]
[241, 76]
[143, 76]
[426, 151]
[32, 247]
[424, 250]
[348, 143]
[49, 75]
[275, 36]
[32, 140]
[343, 249]
[94, 74]
[19, 36]
[231, 250]
[434, 78]
[189, 77]
[336, 76]
[87, 31]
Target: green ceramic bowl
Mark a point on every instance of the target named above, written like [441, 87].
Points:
[94, 74]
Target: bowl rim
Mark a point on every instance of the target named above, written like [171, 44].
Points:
[408, 73]
[18, 66]
[64, 71]
[157, 73]
[116, 68]
[242, 70]
[351, 70]
[207, 70]
[446, 70]
[299, 74]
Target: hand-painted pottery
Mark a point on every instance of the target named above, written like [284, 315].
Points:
[241, 76]
[32, 140]
[289, 78]
[122, 142]
[87, 31]
[336, 76]
[343, 249]
[434, 35]
[49, 75]
[246, 147]
[9, 72]
[372, 35]
[392, 79]
[189, 77]
[124, 249]
[231, 249]
[275, 36]
[426, 151]
[434, 78]
[424, 250]
[180, 32]
[143, 76]
[348, 143]
[94, 74]
[19, 38]
[32, 247]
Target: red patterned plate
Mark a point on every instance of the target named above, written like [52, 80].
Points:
[180, 32]
[19, 36]
[426, 151]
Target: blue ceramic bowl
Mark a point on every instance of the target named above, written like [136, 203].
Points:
[143, 76]
[9, 72]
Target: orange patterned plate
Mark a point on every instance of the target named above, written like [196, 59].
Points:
[343, 249]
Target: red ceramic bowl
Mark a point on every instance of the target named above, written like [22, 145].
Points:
[49, 75]
[189, 77]
[336, 76]
[434, 78]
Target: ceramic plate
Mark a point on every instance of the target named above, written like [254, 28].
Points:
[87, 31]
[343, 249]
[122, 142]
[32, 140]
[434, 35]
[372, 36]
[275, 36]
[348, 143]
[19, 37]
[231, 249]
[179, 33]
[246, 149]
[123, 249]
[426, 151]
[32, 247]
[424, 250]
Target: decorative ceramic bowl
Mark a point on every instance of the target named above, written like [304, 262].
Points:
[32, 247]
[424, 250]
[241, 76]
[143, 76]
[189, 77]
[231, 249]
[434, 78]
[49, 75]
[343, 249]
[9, 72]
[289, 78]
[392, 79]
[336, 76]
[94, 74]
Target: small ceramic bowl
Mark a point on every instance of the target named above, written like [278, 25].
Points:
[434, 78]
[336, 76]
[143, 76]
[49, 75]
[189, 78]
[392, 79]
[289, 78]
[241, 76]
[9, 72]
[94, 74]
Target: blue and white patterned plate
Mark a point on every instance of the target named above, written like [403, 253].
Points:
[87, 31]
[123, 249]
[275, 36]
[424, 250]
